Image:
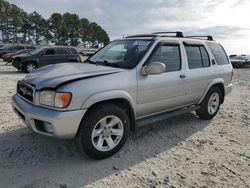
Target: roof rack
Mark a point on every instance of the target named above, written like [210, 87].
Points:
[158, 34]
[142, 35]
[178, 33]
[200, 36]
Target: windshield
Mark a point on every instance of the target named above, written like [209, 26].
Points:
[34, 52]
[122, 53]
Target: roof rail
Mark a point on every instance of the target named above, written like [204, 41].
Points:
[157, 34]
[141, 35]
[178, 33]
[200, 36]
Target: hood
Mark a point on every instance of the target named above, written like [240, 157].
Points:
[54, 76]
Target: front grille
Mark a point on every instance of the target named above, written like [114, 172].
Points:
[25, 91]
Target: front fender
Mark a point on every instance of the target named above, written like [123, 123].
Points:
[108, 95]
[213, 82]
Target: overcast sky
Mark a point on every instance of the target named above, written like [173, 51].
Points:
[227, 20]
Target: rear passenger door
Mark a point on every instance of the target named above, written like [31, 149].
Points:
[200, 71]
[61, 55]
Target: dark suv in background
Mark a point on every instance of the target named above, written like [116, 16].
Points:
[13, 49]
[45, 56]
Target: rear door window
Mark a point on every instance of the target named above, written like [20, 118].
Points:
[219, 53]
[197, 56]
[205, 57]
[61, 51]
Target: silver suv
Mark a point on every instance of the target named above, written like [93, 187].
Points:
[131, 82]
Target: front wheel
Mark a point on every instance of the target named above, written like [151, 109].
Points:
[210, 104]
[30, 66]
[103, 131]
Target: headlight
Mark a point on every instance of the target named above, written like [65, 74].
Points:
[55, 99]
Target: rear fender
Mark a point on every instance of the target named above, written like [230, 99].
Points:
[213, 82]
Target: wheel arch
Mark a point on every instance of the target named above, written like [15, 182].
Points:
[30, 61]
[119, 98]
[220, 84]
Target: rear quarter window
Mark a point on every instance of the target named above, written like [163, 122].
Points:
[218, 53]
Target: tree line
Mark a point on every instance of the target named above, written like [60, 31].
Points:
[17, 26]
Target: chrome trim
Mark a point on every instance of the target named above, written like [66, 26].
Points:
[165, 111]
[29, 86]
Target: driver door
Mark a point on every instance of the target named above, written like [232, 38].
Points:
[47, 57]
[165, 91]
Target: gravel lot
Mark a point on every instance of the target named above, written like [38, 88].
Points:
[181, 152]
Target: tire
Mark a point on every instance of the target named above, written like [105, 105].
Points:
[206, 110]
[87, 139]
[29, 67]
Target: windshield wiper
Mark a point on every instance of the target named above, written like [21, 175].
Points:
[89, 61]
[106, 63]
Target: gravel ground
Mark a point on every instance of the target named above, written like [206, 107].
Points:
[181, 152]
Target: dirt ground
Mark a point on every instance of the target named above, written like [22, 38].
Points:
[181, 152]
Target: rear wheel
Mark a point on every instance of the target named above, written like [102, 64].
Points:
[103, 131]
[210, 104]
[30, 66]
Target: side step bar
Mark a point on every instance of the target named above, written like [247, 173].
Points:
[166, 115]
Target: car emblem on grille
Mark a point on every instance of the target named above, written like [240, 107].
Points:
[23, 90]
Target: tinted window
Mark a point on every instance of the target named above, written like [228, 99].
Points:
[169, 55]
[194, 57]
[37, 51]
[18, 47]
[197, 57]
[50, 52]
[205, 57]
[219, 53]
[61, 51]
[30, 47]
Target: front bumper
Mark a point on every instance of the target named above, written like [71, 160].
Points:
[64, 124]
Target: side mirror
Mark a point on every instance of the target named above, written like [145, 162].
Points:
[153, 68]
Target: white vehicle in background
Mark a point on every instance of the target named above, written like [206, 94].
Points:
[240, 61]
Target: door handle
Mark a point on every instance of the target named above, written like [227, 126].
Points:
[182, 76]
